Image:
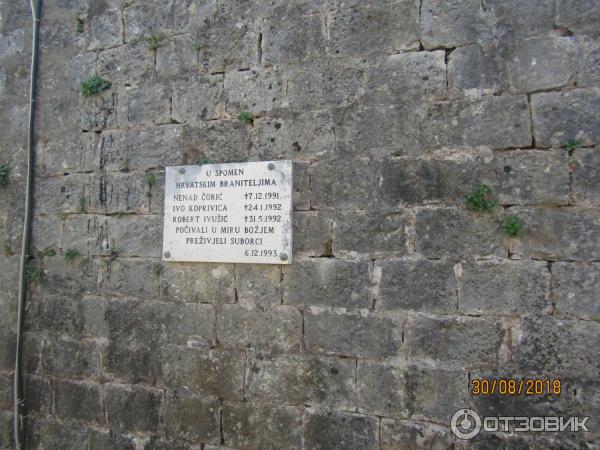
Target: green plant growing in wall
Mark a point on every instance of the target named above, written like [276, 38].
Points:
[157, 269]
[7, 250]
[49, 252]
[81, 205]
[150, 179]
[155, 41]
[573, 162]
[79, 24]
[71, 254]
[33, 273]
[574, 144]
[94, 85]
[246, 117]
[4, 173]
[512, 226]
[480, 199]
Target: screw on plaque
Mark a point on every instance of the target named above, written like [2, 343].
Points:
[283, 256]
[182, 170]
[271, 166]
[167, 254]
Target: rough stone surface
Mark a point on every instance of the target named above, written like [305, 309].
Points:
[393, 112]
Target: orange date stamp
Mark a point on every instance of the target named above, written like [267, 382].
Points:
[516, 386]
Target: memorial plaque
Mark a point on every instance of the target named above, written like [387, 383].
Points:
[237, 212]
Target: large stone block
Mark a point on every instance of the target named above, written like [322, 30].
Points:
[302, 380]
[145, 19]
[207, 373]
[364, 30]
[133, 408]
[96, 112]
[312, 233]
[339, 431]
[372, 234]
[565, 347]
[254, 91]
[329, 282]
[542, 63]
[407, 77]
[277, 330]
[190, 417]
[147, 103]
[301, 186]
[131, 277]
[114, 64]
[62, 194]
[476, 70]
[72, 154]
[457, 232]
[559, 117]
[138, 235]
[205, 283]
[459, 340]
[585, 175]
[415, 284]
[400, 390]
[511, 19]
[177, 57]
[359, 335]
[554, 234]
[574, 290]
[258, 285]
[217, 141]
[109, 440]
[493, 121]
[293, 136]
[589, 68]
[119, 193]
[80, 401]
[257, 426]
[579, 16]
[198, 99]
[67, 357]
[503, 287]
[529, 177]
[104, 26]
[395, 434]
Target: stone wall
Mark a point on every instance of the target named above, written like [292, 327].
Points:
[398, 295]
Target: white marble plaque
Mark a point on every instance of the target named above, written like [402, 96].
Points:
[237, 212]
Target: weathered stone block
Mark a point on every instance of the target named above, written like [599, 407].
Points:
[415, 284]
[476, 70]
[138, 235]
[325, 86]
[294, 136]
[114, 64]
[554, 234]
[407, 77]
[371, 233]
[360, 335]
[512, 19]
[135, 363]
[301, 186]
[104, 27]
[542, 63]
[206, 283]
[39, 396]
[62, 194]
[415, 435]
[400, 390]
[503, 287]
[457, 232]
[98, 112]
[462, 340]
[277, 330]
[74, 154]
[6, 392]
[116, 193]
[585, 175]
[561, 116]
[207, 373]
[157, 324]
[366, 29]
[589, 69]
[80, 401]
[262, 426]
[67, 357]
[574, 290]
[453, 23]
[217, 141]
[567, 347]
[48, 433]
[497, 122]
[190, 417]
[145, 19]
[312, 233]
[292, 38]
[177, 57]
[148, 103]
[258, 285]
[133, 408]
[328, 282]
[332, 430]
[255, 92]
[110, 440]
[529, 177]
[580, 16]
[353, 188]
[443, 176]
[198, 99]
[131, 277]
[302, 380]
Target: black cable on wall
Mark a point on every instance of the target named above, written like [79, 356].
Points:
[19, 397]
